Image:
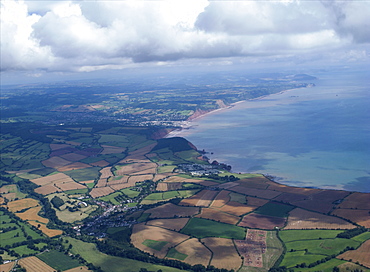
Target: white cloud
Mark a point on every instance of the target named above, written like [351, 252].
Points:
[93, 35]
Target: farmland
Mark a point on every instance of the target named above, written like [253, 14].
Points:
[93, 180]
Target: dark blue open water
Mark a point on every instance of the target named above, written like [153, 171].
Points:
[312, 137]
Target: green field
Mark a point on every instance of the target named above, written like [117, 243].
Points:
[173, 253]
[201, 228]
[157, 245]
[324, 267]
[298, 235]
[291, 259]
[58, 260]
[90, 253]
[238, 198]
[362, 237]
[275, 209]
[324, 246]
[130, 193]
[90, 173]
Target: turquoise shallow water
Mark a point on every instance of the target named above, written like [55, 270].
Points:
[312, 137]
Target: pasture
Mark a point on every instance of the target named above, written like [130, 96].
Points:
[274, 209]
[202, 228]
[90, 253]
[58, 260]
[298, 235]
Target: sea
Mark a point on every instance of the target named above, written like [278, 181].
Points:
[317, 137]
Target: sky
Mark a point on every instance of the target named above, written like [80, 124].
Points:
[70, 39]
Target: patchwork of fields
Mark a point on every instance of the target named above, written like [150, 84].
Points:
[248, 224]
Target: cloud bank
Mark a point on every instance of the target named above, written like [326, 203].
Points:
[92, 35]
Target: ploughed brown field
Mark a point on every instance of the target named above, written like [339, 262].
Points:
[323, 201]
[356, 201]
[259, 221]
[221, 199]
[218, 216]
[302, 219]
[360, 217]
[360, 255]
[196, 251]
[224, 252]
[142, 232]
[170, 210]
[267, 194]
[175, 224]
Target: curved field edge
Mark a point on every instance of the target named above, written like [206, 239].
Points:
[91, 254]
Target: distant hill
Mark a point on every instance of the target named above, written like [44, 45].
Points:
[175, 144]
[303, 77]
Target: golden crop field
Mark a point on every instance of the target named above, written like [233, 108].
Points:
[360, 255]
[302, 219]
[73, 166]
[217, 215]
[21, 204]
[142, 232]
[98, 192]
[78, 269]
[162, 186]
[45, 229]
[47, 189]
[7, 267]
[102, 182]
[225, 254]
[135, 167]
[221, 199]
[152, 170]
[196, 251]
[70, 186]
[134, 179]
[172, 210]
[236, 208]
[34, 264]
[175, 224]
[52, 179]
[206, 199]
[202, 199]
[106, 173]
[32, 215]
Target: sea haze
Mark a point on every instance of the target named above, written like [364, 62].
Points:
[310, 137]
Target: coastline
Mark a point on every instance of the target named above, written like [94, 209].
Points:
[188, 123]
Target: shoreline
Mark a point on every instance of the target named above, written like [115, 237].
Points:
[188, 122]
